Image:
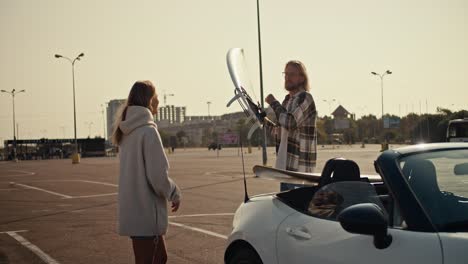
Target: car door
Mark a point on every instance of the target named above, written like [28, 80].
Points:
[314, 237]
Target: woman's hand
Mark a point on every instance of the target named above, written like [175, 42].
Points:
[175, 205]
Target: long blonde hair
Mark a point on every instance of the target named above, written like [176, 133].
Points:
[141, 94]
[301, 67]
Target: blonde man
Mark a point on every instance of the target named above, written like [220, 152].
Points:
[296, 118]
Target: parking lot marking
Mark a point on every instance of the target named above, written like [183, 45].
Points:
[23, 173]
[17, 231]
[94, 195]
[198, 215]
[64, 196]
[210, 233]
[41, 254]
[43, 190]
[102, 183]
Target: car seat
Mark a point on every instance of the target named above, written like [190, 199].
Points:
[339, 169]
[422, 178]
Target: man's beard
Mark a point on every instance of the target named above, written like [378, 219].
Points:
[293, 87]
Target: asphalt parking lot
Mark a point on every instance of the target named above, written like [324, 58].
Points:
[54, 212]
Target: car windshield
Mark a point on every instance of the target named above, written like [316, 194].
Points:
[439, 181]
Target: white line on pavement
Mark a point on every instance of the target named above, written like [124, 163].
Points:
[94, 195]
[102, 183]
[41, 254]
[199, 230]
[17, 231]
[197, 215]
[23, 173]
[43, 190]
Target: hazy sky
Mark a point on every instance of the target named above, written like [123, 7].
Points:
[181, 46]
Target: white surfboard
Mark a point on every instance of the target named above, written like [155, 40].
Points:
[237, 69]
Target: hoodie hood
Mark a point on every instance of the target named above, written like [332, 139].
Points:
[137, 116]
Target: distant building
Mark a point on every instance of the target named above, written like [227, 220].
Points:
[341, 118]
[173, 119]
[166, 115]
[171, 114]
[341, 112]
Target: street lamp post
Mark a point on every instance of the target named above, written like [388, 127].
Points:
[385, 144]
[89, 124]
[13, 93]
[103, 121]
[264, 150]
[208, 103]
[381, 88]
[76, 156]
[165, 96]
[329, 103]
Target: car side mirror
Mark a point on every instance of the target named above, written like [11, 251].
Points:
[366, 219]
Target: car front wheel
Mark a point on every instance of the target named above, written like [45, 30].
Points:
[244, 256]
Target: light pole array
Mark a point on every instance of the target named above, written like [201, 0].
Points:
[13, 93]
[76, 156]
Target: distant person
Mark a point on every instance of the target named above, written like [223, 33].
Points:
[295, 117]
[144, 184]
[173, 143]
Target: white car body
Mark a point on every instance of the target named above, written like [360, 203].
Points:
[280, 233]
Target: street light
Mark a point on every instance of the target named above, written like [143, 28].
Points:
[89, 124]
[76, 156]
[385, 144]
[208, 103]
[329, 103]
[381, 87]
[13, 93]
[165, 95]
[103, 107]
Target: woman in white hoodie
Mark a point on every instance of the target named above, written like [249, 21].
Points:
[144, 184]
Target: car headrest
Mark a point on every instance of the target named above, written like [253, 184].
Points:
[340, 169]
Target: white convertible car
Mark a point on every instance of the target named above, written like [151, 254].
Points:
[416, 213]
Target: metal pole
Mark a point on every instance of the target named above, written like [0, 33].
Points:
[74, 107]
[75, 158]
[13, 93]
[381, 87]
[14, 126]
[103, 123]
[264, 150]
[14, 118]
[208, 103]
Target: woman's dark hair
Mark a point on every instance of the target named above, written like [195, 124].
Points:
[141, 94]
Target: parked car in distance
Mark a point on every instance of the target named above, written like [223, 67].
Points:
[417, 213]
[214, 146]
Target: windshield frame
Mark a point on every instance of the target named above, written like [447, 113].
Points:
[446, 219]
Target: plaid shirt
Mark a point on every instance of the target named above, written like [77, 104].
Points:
[297, 114]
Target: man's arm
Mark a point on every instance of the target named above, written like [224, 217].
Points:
[295, 118]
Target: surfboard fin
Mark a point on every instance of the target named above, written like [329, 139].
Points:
[237, 96]
[252, 129]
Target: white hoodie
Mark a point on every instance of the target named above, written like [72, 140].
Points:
[144, 184]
